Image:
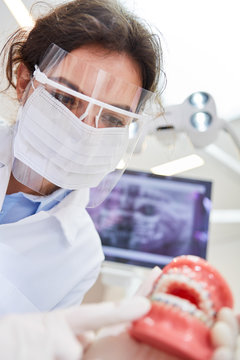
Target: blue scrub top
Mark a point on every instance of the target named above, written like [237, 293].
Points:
[19, 205]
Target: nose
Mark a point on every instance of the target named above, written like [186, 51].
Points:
[89, 120]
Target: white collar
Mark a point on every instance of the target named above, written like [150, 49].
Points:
[6, 137]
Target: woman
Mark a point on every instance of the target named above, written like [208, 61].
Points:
[80, 75]
[84, 75]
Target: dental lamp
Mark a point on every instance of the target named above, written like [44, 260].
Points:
[196, 116]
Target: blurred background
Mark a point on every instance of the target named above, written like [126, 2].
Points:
[201, 52]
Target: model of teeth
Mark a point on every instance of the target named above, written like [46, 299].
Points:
[185, 301]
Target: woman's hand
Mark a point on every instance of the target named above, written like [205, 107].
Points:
[115, 343]
[63, 334]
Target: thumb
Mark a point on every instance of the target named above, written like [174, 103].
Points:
[94, 316]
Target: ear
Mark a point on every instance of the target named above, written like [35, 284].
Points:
[23, 78]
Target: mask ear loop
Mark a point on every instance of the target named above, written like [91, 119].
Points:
[33, 85]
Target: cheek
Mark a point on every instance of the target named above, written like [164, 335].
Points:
[24, 94]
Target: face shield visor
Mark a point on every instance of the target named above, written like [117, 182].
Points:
[78, 126]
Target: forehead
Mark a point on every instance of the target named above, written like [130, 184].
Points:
[107, 76]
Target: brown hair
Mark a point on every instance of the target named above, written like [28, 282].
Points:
[81, 22]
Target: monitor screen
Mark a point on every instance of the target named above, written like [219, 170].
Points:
[149, 219]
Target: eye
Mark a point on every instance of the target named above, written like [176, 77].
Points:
[66, 100]
[112, 120]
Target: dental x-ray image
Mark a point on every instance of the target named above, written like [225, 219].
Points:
[149, 219]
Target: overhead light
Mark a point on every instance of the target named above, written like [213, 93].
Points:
[178, 166]
[20, 12]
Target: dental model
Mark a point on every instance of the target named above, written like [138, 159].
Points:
[185, 301]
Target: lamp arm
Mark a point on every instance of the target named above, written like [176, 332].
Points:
[230, 131]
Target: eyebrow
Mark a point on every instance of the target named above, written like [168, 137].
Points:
[123, 107]
[72, 86]
[65, 82]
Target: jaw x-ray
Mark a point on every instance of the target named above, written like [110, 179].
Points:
[148, 219]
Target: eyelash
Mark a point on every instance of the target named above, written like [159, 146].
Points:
[115, 121]
[64, 99]
[74, 104]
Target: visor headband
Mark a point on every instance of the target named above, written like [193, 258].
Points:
[43, 79]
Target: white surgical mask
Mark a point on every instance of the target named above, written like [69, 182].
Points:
[54, 143]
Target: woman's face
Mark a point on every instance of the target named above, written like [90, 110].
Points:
[118, 64]
[117, 84]
[113, 78]
[110, 77]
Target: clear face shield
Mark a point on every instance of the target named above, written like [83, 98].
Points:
[78, 126]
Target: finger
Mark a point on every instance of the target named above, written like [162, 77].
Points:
[86, 338]
[147, 287]
[95, 316]
[63, 343]
[68, 350]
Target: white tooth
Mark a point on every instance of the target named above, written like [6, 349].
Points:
[193, 312]
[209, 304]
[238, 343]
[185, 278]
[206, 306]
[198, 287]
[221, 335]
[204, 295]
[212, 313]
[237, 352]
[227, 315]
[222, 353]
[201, 305]
[199, 314]
[237, 355]
[203, 284]
[209, 323]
